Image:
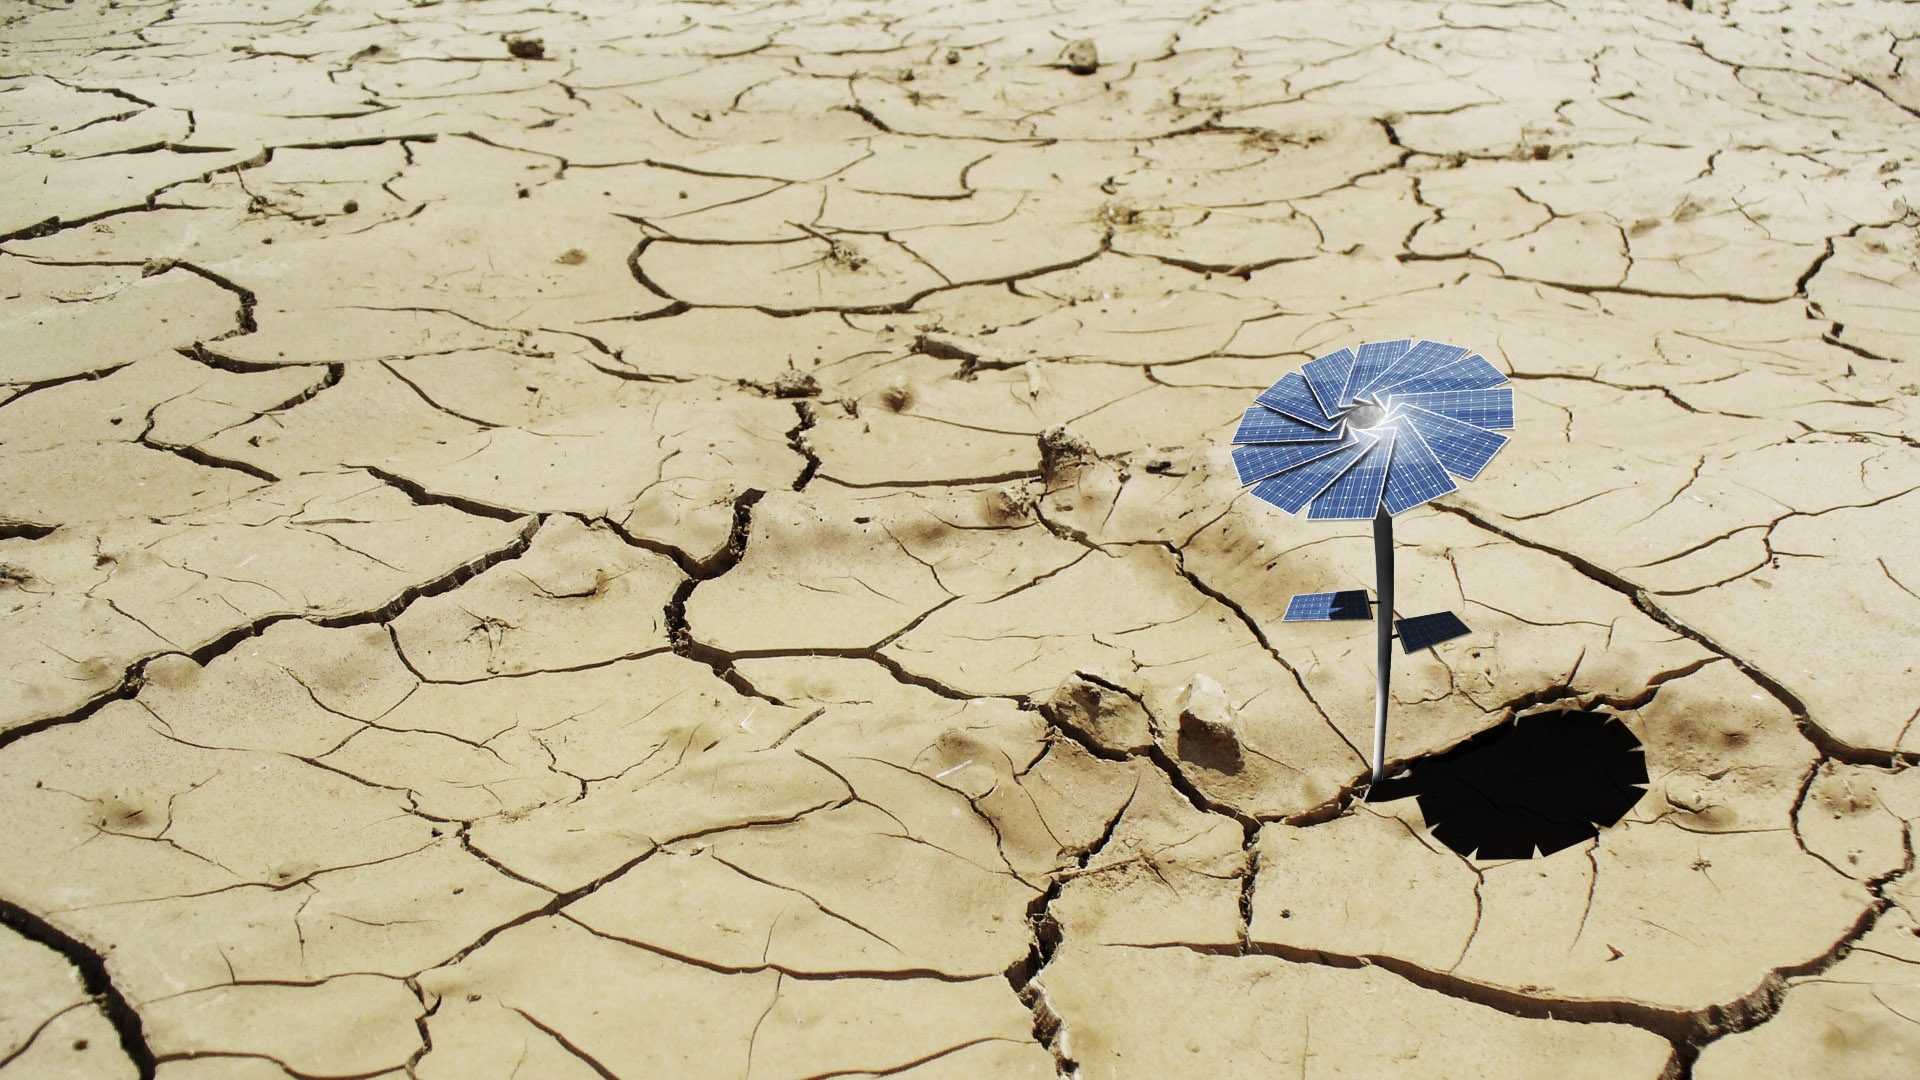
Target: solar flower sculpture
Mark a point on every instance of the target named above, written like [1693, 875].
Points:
[1370, 433]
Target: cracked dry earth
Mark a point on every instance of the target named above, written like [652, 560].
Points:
[533, 540]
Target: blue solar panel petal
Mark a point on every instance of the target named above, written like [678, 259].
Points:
[1327, 376]
[1356, 494]
[1424, 356]
[1462, 448]
[1473, 373]
[1291, 396]
[1321, 606]
[1259, 461]
[1414, 474]
[1294, 488]
[1263, 425]
[1426, 631]
[1374, 359]
[1481, 408]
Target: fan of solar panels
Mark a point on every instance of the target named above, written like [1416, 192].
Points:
[1385, 426]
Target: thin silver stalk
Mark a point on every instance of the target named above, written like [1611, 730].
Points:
[1383, 622]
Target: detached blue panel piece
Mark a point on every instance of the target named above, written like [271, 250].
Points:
[1263, 425]
[1327, 376]
[1473, 373]
[1321, 606]
[1462, 448]
[1374, 360]
[1291, 396]
[1414, 474]
[1426, 631]
[1356, 495]
[1260, 461]
[1481, 408]
[1293, 489]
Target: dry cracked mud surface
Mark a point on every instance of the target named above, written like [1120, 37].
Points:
[672, 540]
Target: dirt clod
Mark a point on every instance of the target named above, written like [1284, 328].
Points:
[1081, 57]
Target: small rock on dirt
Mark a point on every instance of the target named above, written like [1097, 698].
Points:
[1209, 725]
[1061, 445]
[1081, 57]
[793, 383]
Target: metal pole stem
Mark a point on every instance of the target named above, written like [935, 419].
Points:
[1383, 622]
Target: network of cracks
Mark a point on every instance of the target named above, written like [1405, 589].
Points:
[698, 541]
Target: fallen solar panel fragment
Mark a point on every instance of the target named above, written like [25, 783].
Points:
[1356, 494]
[1462, 448]
[1322, 606]
[1263, 425]
[1291, 396]
[1481, 408]
[1473, 373]
[1426, 631]
[1327, 376]
[1261, 460]
[1414, 474]
[1293, 489]
[1373, 360]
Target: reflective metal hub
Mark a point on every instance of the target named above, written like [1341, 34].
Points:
[1366, 416]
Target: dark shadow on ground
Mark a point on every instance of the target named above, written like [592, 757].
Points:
[1546, 781]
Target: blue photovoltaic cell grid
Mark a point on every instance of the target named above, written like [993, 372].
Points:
[1356, 494]
[1291, 396]
[1414, 475]
[1262, 460]
[1293, 489]
[1462, 448]
[1327, 376]
[1374, 359]
[1481, 408]
[1426, 631]
[1294, 450]
[1321, 606]
[1264, 425]
[1473, 373]
[1423, 357]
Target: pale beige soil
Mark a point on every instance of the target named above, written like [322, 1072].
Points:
[548, 566]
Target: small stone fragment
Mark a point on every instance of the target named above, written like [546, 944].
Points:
[352, 207]
[526, 48]
[1061, 446]
[1014, 502]
[1081, 57]
[928, 345]
[1209, 725]
[897, 398]
[793, 383]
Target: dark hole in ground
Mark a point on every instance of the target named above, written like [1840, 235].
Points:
[1546, 781]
